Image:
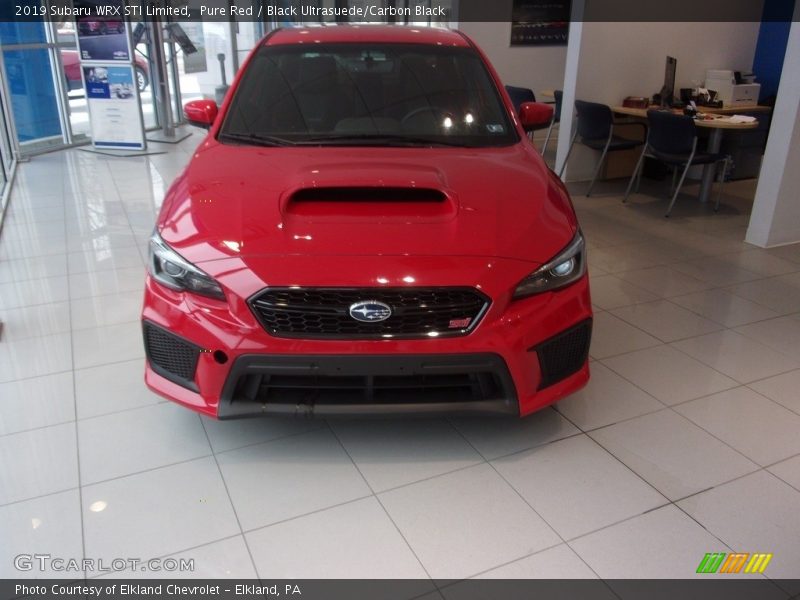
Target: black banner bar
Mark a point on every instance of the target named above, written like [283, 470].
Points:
[711, 588]
[295, 11]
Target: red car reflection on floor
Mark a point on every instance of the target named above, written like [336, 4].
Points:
[366, 229]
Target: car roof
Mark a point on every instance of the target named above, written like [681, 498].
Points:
[391, 34]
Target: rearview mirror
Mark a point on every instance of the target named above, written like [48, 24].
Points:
[535, 115]
[201, 112]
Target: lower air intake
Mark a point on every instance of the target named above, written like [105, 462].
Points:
[368, 384]
[171, 356]
[564, 354]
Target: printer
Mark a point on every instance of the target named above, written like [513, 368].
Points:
[732, 94]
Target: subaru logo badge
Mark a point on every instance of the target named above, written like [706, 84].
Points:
[370, 311]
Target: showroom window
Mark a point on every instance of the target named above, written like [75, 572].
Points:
[47, 113]
[36, 102]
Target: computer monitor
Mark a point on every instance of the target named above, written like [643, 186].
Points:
[668, 91]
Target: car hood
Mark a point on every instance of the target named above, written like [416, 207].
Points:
[236, 200]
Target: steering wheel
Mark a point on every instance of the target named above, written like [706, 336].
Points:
[422, 109]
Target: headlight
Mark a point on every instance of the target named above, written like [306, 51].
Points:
[172, 270]
[568, 266]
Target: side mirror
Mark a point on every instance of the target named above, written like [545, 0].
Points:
[201, 112]
[535, 115]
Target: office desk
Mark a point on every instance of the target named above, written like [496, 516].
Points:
[716, 126]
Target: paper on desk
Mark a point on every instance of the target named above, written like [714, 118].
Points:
[741, 119]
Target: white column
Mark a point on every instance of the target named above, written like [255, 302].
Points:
[775, 219]
[565, 127]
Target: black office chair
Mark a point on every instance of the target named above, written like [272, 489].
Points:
[559, 96]
[672, 139]
[520, 95]
[596, 128]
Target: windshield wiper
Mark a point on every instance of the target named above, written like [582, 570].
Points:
[256, 139]
[374, 139]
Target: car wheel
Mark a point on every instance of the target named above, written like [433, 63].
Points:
[141, 79]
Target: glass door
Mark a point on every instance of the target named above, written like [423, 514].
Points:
[197, 55]
[69, 69]
[145, 72]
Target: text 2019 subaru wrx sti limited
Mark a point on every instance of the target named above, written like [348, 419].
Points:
[366, 229]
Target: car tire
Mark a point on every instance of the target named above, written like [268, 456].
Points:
[142, 81]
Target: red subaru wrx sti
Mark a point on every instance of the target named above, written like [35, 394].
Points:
[366, 229]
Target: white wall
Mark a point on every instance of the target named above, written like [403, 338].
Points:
[776, 211]
[627, 59]
[535, 67]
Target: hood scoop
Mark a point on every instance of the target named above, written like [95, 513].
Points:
[414, 204]
[368, 194]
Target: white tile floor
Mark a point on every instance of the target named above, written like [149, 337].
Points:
[686, 441]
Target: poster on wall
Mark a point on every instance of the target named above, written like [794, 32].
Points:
[103, 37]
[113, 107]
[540, 22]
[33, 98]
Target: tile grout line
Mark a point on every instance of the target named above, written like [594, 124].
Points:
[32, 429]
[688, 420]
[75, 414]
[588, 433]
[230, 498]
[476, 575]
[669, 345]
[128, 219]
[683, 402]
[711, 367]
[47, 495]
[378, 500]
[181, 551]
[116, 362]
[306, 514]
[668, 500]
[791, 485]
[727, 287]
[675, 502]
[528, 504]
[60, 491]
[181, 462]
[534, 447]
[713, 435]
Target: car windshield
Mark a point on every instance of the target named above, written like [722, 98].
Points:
[367, 94]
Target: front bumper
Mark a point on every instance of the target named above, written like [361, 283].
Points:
[501, 367]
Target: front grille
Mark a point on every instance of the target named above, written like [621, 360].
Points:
[367, 384]
[564, 354]
[324, 312]
[171, 356]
